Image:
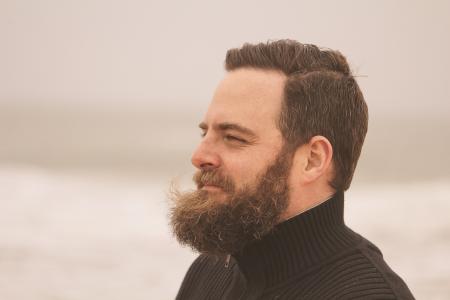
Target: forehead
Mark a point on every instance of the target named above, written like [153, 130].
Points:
[249, 97]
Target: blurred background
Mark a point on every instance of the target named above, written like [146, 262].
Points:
[99, 106]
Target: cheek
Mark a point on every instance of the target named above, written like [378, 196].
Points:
[242, 169]
[245, 170]
[244, 165]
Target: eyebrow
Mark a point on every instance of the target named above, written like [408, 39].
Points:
[229, 126]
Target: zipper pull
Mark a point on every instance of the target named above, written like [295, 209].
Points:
[227, 261]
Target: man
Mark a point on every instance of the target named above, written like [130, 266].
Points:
[280, 142]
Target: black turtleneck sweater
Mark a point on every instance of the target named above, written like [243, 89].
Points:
[311, 256]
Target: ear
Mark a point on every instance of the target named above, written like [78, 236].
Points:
[318, 154]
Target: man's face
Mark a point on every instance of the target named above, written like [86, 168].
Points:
[242, 167]
[240, 136]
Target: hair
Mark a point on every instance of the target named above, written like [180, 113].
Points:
[321, 97]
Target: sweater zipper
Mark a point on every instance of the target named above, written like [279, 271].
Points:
[227, 261]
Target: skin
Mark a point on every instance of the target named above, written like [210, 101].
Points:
[251, 99]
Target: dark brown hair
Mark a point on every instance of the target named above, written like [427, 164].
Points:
[321, 97]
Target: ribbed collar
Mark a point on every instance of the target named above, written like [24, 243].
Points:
[297, 244]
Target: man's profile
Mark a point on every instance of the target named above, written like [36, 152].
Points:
[280, 143]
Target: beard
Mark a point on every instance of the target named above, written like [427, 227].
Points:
[209, 225]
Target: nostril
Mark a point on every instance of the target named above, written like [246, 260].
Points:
[207, 167]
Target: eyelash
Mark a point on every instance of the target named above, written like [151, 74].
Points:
[228, 137]
[233, 138]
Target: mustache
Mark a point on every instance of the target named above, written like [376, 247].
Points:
[215, 178]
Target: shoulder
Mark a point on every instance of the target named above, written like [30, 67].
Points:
[206, 277]
[358, 273]
[202, 265]
[374, 255]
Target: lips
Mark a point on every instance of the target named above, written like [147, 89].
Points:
[207, 183]
[212, 181]
[210, 187]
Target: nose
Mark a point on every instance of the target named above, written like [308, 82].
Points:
[206, 157]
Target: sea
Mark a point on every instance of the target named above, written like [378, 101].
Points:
[82, 234]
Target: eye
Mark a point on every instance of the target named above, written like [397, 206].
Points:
[202, 134]
[232, 138]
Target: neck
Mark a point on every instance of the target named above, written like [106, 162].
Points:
[306, 201]
[311, 206]
[297, 243]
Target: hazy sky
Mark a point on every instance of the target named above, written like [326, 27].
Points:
[160, 53]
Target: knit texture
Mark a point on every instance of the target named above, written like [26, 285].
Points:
[311, 256]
